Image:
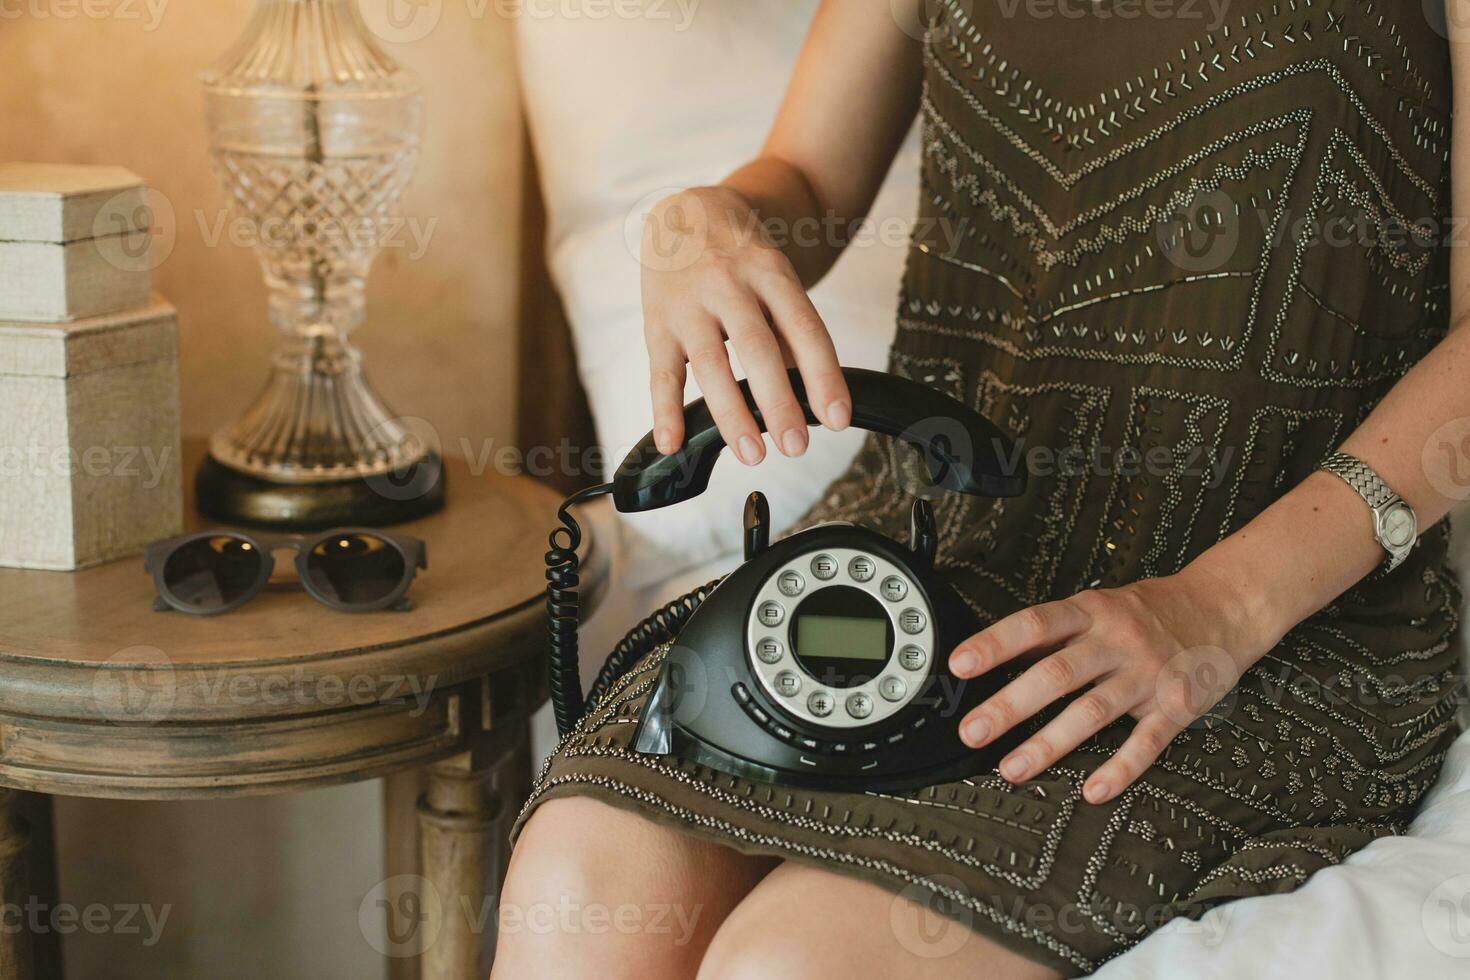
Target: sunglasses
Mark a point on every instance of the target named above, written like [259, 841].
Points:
[351, 569]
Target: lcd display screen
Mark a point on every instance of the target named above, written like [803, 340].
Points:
[842, 637]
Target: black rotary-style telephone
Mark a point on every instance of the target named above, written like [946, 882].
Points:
[823, 659]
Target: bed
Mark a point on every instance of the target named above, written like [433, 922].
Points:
[622, 110]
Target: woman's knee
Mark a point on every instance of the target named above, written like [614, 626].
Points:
[570, 848]
[803, 923]
[588, 879]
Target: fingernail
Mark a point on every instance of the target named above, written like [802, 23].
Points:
[839, 414]
[794, 442]
[664, 441]
[749, 451]
[1095, 792]
[977, 731]
[964, 664]
[1014, 767]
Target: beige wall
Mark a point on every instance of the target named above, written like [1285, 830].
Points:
[439, 338]
[270, 887]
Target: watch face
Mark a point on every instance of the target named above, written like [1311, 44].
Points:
[1398, 525]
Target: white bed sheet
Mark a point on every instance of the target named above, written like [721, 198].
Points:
[624, 109]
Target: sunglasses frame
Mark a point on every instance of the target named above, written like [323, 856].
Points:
[413, 550]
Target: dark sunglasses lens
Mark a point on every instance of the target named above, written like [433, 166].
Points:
[210, 573]
[355, 568]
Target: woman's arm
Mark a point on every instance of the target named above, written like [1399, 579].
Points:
[1165, 650]
[733, 261]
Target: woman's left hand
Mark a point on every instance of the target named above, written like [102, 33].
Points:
[1163, 650]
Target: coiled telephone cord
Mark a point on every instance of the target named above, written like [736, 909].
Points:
[562, 580]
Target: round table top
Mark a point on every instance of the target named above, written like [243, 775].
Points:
[70, 641]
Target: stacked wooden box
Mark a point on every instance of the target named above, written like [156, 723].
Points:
[89, 405]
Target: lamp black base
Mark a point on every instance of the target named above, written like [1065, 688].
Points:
[227, 495]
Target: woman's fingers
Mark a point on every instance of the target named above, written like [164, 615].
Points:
[765, 366]
[666, 387]
[704, 344]
[810, 343]
[1048, 625]
[1045, 682]
[1149, 738]
[1087, 715]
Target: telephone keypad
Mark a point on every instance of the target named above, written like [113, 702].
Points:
[891, 685]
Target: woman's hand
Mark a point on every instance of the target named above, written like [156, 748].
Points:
[711, 272]
[1163, 650]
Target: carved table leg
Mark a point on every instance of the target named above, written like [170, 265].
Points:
[44, 880]
[16, 952]
[464, 825]
[401, 792]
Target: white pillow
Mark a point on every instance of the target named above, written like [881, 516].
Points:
[624, 111]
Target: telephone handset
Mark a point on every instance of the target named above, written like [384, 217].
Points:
[822, 659]
[930, 421]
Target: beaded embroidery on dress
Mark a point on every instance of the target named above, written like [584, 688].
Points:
[1114, 262]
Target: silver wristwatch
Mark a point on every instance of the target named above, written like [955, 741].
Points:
[1394, 522]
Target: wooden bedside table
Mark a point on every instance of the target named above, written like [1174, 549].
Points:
[102, 696]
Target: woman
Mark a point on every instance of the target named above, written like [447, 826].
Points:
[1196, 257]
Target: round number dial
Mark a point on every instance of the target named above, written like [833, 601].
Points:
[840, 637]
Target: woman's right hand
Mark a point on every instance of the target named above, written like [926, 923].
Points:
[711, 272]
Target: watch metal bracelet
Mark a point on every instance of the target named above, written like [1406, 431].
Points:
[1361, 477]
[1394, 523]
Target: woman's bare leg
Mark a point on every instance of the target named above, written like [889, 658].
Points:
[803, 923]
[595, 891]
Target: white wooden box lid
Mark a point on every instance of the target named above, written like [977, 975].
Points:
[63, 202]
[62, 350]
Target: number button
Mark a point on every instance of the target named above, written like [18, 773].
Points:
[791, 583]
[893, 688]
[912, 621]
[820, 703]
[859, 705]
[862, 568]
[771, 613]
[913, 657]
[824, 567]
[787, 683]
[769, 650]
[894, 588]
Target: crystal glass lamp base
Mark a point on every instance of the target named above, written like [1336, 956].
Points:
[318, 449]
[314, 134]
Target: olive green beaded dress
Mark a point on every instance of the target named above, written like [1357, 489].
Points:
[1178, 242]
